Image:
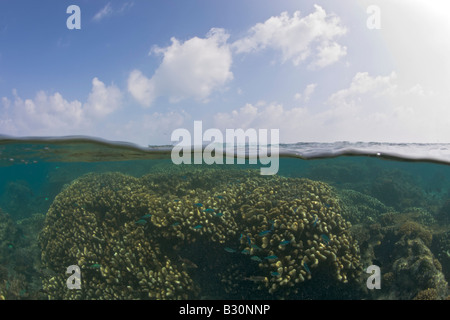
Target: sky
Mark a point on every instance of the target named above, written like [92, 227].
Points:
[135, 70]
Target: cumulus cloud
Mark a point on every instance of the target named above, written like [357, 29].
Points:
[298, 38]
[306, 95]
[51, 114]
[150, 129]
[102, 100]
[191, 69]
[371, 108]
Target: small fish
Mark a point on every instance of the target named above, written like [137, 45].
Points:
[249, 241]
[199, 226]
[175, 224]
[264, 233]
[199, 204]
[208, 210]
[256, 258]
[219, 197]
[245, 251]
[96, 266]
[325, 239]
[176, 200]
[327, 205]
[188, 263]
[230, 250]
[241, 236]
[146, 216]
[255, 278]
[272, 257]
[254, 246]
[285, 242]
[141, 222]
[219, 214]
[274, 274]
[306, 268]
[316, 219]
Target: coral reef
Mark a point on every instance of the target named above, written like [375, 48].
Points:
[441, 248]
[401, 247]
[194, 233]
[20, 258]
[398, 189]
[360, 208]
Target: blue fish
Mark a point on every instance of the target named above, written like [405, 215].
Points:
[176, 200]
[245, 251]
[272, 257]
[254, 246]
[285, 242]
[241, 236]
[316, 219]
[146, 216]
[175, 224]
[141, 221]
[208, 210]
[256, 258]
[325, 239]
[306, 268]
[274, 274]
[199, 226]
[264, 233]
[219, 197]
[230, 250]
[199, 204]
[219, 214]
[249, 241]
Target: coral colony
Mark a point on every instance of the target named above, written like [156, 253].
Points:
[140, 238]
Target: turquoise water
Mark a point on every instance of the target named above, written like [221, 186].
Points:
[139, 227]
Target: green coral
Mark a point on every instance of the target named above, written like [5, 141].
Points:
[166, 236]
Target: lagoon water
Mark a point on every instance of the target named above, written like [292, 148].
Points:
[139, 227]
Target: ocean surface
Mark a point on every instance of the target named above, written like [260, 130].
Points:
[82, 218]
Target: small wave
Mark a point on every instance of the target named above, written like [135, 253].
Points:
[91, 149]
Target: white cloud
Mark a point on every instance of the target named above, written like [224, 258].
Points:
[307, 92]
[150, 129]
[102, 100]
[328, 53]
[51, 114]
[371, 108]
[108, 10]
[192, 69]
[141, 88]
[104, 12]
[298, 38]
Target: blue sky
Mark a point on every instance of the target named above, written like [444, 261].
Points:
[137, 70]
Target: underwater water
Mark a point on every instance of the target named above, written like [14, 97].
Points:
[130, 224]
